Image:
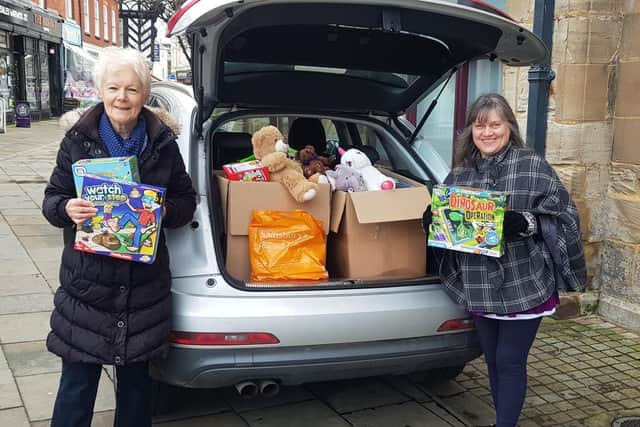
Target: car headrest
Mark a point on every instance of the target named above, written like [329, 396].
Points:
[307, 131]
[229, 147]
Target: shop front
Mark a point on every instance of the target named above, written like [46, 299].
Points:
[30, 59]
[79, 88]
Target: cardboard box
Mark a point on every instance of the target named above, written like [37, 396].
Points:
[123, 168]
[127, 224]
[240, 198]
[378, 234]
[467, 220]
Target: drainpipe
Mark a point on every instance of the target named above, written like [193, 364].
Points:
[540, 77]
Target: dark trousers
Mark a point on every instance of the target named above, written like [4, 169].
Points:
[506, 345]
[79, 386]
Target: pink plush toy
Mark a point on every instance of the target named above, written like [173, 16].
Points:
[373, 178]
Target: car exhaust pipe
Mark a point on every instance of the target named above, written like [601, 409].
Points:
[269, 388]
[247, 389]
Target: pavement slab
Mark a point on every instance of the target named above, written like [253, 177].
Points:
[24, 327]
[354, 395]
[9, 395]
[39, 393]
[26, 303]
[31, 358]
[15, 417]
[408, 414]
[20, 284]
[308, 414]
[218, 420]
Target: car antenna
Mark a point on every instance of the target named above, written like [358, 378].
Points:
[430, 109]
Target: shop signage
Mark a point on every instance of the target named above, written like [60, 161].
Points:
[47, 23]
[156, 52]
[72, 34]
[13, 14]
[23, 114]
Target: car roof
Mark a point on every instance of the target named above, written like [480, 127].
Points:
[374, 56]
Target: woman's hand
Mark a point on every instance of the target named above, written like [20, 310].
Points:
[80, 210]
[514, 224]
[427, 218]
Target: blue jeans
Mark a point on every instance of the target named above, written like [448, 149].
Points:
[506, 345]
[79, 386]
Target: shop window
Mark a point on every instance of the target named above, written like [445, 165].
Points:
[105, 21]
[86, 20]
[113, 26]
[96, 18]
[68, 5]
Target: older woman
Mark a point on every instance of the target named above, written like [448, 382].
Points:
[508, 296]
[109, 311]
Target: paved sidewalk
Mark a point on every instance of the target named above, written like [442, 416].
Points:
[583, 372]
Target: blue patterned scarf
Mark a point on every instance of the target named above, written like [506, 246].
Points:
[119, 147]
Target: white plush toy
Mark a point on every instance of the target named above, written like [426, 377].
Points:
[374, 179]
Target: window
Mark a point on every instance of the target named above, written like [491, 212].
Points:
[105, 22]
[68, 5]
[113, 26]
[85, 17]
[96, 18]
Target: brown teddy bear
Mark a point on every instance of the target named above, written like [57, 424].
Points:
[313, 165]
[269, 147]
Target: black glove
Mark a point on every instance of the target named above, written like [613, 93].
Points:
[427, 217]
[514, 224]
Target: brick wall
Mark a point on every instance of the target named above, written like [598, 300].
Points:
[592, 137]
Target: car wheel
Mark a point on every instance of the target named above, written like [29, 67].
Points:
[161, 397]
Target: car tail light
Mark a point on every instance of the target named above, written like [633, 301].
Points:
[226, 338]
[456, 325]
[176, 17]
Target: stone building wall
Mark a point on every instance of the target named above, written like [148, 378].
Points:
[593, 137]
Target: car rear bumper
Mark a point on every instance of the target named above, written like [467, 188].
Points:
[210, 368]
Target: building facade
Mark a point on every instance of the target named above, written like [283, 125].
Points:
[592, 138]
[89, 26]
[30, 43]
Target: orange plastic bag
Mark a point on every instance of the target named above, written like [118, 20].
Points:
[286, 246]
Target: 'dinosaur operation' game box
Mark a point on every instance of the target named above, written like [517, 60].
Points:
[123, 168]
[127, 224]
[467, 220]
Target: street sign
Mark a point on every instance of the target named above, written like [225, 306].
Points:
[23, 114]
[156, 52]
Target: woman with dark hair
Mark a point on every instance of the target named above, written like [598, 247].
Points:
[109, 311]
[508, 296]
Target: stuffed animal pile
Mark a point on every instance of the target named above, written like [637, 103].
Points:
[269, 147]
[302, 175]
[373, 178]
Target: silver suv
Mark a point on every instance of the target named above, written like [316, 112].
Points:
[354, 66]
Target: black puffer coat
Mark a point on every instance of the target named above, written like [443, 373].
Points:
[110, 311]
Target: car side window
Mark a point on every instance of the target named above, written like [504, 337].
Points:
[370, 138]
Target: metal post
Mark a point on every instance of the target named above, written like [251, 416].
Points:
[540, 77]
[3, 116]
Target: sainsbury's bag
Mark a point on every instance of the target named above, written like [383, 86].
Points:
[286, 246]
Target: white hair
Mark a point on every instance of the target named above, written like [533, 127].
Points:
[117, 57]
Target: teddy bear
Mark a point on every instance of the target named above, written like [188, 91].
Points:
[374, 179]
[345, 178]
[314, 166]
[269, 147]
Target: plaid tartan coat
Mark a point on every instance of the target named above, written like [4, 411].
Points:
[532, 267]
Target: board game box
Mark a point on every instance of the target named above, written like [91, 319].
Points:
[467, 220]
[127, 224]
[122, 168]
